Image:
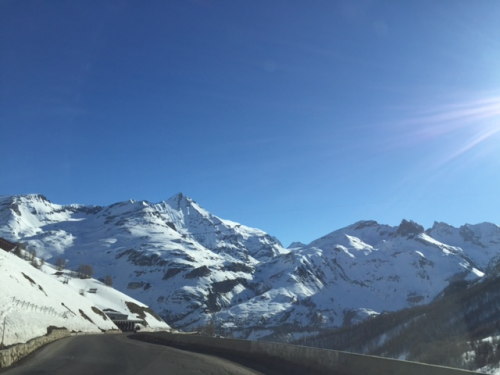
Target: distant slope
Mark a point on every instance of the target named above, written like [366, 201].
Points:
[459, 329]
[194, 268]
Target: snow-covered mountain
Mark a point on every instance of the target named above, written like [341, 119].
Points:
[193, 267]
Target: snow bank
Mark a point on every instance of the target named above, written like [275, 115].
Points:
[32, 301]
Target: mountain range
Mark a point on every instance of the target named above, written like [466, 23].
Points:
[194, 268]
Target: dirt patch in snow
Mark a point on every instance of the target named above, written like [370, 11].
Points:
[29, 279]
[85, 316]
[99, 312]
[141, 311]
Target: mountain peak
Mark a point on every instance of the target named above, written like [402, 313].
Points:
[409, 229]
[440, 227]
[440, 224]
[363, 224]
[179, 195]
[177, 200]
[296, 244]
[31, 198]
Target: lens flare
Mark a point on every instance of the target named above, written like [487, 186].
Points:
[475, 120]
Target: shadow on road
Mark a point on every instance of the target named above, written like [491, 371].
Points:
[268, 366]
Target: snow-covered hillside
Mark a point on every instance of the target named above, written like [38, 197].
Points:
[193, 267]
[458, 329]
[34, 299]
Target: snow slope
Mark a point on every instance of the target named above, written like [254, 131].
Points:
[107, 298]
[34, 299]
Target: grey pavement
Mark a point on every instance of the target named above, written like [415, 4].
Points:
[119, 355]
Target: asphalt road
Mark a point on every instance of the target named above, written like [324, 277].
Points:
[119, 355]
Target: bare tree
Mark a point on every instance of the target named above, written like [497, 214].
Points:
[208, 328]
[32, 258]
[60, 264]
[18, 251]
[108, 280]
[85, 271]
[34, 262]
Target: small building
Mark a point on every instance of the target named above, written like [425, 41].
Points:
[115, 315]
[6, 245]
[122, 321]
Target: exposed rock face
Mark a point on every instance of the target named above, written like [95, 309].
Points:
[409, 229]
[193, 267]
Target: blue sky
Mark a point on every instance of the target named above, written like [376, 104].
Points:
[296, 117]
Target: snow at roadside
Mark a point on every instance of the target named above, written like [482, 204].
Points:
[33, 300]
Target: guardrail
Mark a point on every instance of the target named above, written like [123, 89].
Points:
[299, 359]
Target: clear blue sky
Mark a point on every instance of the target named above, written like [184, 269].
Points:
[296, 117]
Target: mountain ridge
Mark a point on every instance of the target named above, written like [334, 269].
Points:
[193, 267]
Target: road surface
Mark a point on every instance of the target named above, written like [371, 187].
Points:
[119, 355]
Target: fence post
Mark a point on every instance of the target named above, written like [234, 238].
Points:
[3, 332]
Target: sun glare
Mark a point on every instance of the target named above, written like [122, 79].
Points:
[476, 120]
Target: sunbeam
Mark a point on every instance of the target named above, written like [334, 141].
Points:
[473, 122]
